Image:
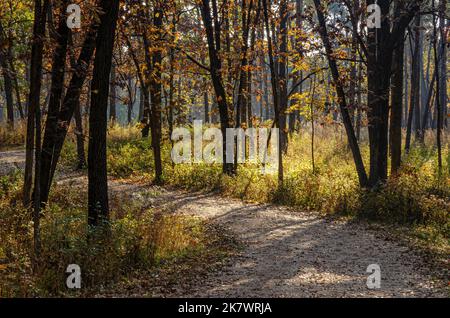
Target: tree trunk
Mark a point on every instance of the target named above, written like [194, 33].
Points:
[275, 93]
[56, 91]
[112, 95]
[417, 106]
[155, 95]
[68, 106]
[379, 68]
[214, 48]
[415, 85]
[443, 61]
[352, 141]
[80, 137]
[98, 211]
[37, 47]
[283, 75]
[7, 77]
[395, 129]
[8, 91]
[438, 87]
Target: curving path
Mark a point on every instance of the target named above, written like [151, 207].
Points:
[286, 253]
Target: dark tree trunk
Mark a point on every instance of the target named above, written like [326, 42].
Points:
[395, 130]
[243, 94]
[155, 95]
[214, 48]
[131, 99]
[359, 103]
[352, 141]
[415, 85]
[7, 81]
[381, 44]
[206, 106]
[444, 27]
[80, 137]
[417, 106]
[293, 117]
[68, 106]
[145, 97]
[56, 92]
[275, 93]
[112, 95]
[379, 68]
[7, 62]
[98, 211]
[283, 75]
[34, 98]
[141, 104]
[7, 77]
[438, 87]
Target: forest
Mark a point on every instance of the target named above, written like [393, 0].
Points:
[224, 148]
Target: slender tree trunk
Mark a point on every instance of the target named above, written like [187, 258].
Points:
[80, 137]
[7, 81]
[438, 87]
[359, 103]
[141, 104]
[112, 95]
[155, 93]
[98, 211]
[313, 86]
[444, 27]
[16, 88]
[275, 93]
[415, 84]
[7, 77]
[417, 106]
[33, 103]
[395, 130]
[283, 75]
[406, 84]
[352, 141]
[56, 91]
[214, 47]
[7, 63]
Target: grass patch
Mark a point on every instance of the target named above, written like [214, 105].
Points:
[141, 242]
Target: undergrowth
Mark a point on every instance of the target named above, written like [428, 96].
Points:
[138, 239]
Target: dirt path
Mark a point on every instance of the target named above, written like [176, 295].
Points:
[292, 254]
[11, 160]
[295, 254]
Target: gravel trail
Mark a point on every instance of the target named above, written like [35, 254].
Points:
[286, 253]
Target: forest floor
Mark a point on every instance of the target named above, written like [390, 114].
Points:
[286, 253]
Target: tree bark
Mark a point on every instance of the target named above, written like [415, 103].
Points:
[34, 99]
[56, 92]
[7, 77]
[275, 93]
[214, 47]
[395, 129]
[98, 208]
[415, 85]
[112, 95]
[68, 106]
